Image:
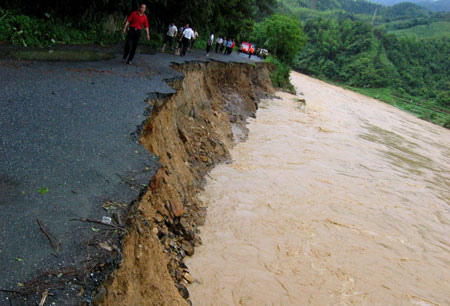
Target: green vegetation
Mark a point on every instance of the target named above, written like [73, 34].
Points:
[398, 55]
[46, 22]
[355, 54]
[437, 29]
[29, 31]
[280, 74]
[282, 35]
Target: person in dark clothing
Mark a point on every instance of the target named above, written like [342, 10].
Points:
[186, 37]
[219, 43]
[224, 45]
[136, 20]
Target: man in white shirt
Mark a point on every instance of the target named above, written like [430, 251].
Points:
[209, 43]
[171, 33]
[186, 38]
[219, 43]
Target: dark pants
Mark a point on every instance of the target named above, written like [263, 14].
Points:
[208, 48]
[186, 44]
[133, 37]
[217, 47]
[168, 40]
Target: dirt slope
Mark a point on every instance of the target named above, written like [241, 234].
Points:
[190, 132]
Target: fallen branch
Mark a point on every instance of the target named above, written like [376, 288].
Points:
[44, 297]
[11, 291]
[98, 222]
[55, 246]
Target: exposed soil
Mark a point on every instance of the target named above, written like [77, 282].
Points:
[190, 131]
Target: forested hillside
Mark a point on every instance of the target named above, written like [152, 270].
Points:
[398, 54]
[432, 5]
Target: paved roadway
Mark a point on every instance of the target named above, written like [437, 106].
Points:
[68, 128]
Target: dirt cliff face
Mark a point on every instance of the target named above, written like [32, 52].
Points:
[190, 132]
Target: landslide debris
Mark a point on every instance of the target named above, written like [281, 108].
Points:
[190, 132]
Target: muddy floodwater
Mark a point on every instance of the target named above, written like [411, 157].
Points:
[342, 201]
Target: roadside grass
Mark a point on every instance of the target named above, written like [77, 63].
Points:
[280, 74]
[60, 55]
[426, 110]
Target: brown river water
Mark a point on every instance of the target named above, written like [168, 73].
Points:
[342, 201]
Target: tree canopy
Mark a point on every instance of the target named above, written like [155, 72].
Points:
[283, 35]
[230, 17]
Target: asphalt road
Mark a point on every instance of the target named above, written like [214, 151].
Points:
[67, 146]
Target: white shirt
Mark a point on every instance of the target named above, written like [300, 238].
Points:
[211, 40]
[188, 33]
[220, 40]
[172, 31]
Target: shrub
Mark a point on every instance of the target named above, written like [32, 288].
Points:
[280, 74]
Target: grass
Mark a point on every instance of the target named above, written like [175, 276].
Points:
[426, 110]
[61, 55]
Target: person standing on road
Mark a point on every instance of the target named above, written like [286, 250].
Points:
[186, 37]
[136, 20]
[209, 43]
[232, 47]
[228, 47]
[223, 47]
[195, 38]
[219, 42]
[170, 35]
[180, 41]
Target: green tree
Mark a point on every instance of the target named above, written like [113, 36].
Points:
[282, 35]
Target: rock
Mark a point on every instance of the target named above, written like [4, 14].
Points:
[106, 220]
[189, 278]
[159, 218]
[176, 209]
[155, 231]
[183, 291]
[184, 224]
[188, 248]
[98, 299]
[178, 275]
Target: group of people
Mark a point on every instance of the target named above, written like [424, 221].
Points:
[186, 38]
[225, 46]
[185, 35]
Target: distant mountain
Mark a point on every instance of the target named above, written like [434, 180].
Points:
[432, 5]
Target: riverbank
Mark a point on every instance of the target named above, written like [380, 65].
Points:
[80, 164]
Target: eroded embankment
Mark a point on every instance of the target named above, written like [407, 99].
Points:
[190, 131]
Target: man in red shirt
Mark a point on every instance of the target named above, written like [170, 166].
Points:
[136, 20]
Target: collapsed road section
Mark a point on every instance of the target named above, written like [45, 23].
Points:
[72, 164]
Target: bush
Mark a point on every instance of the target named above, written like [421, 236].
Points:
[280, 74]
[447, 123]
[37, 32]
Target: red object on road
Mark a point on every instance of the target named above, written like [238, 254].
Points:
[245, 47]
